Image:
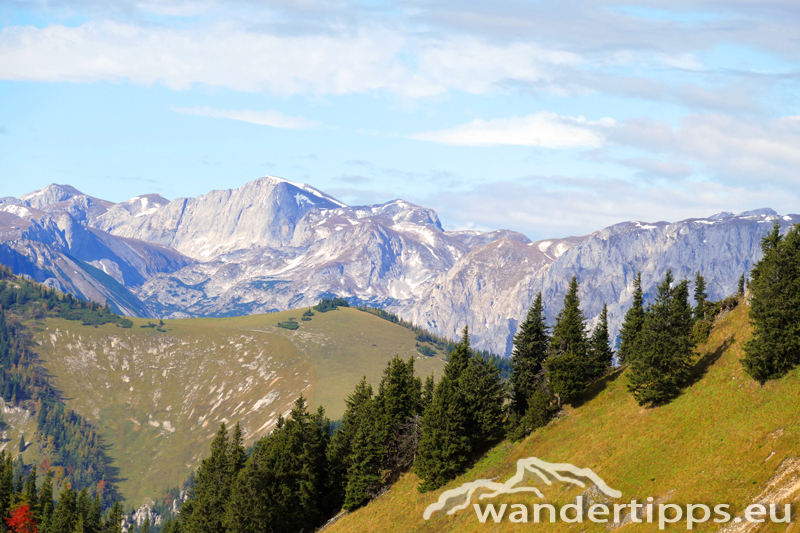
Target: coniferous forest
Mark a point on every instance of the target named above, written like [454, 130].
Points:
[305, 473]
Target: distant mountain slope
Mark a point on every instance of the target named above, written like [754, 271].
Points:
[273, 245]
[725, 440]
[158, 397]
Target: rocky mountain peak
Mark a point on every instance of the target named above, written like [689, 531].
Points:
[51, 194]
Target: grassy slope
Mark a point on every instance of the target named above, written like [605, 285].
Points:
[720, 442]
[158, 398]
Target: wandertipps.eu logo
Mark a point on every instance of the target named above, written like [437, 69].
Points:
[599, 503]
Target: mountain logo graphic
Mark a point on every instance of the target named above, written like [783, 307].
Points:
[455, 500]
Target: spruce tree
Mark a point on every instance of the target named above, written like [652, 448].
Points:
[146, 525]
[531, 344]
[600, 354]
[427, 393]
[204, 510]
[366, 457]
[740, 286]
[113, 520]
[774, 348]
[46, 507]
[664, 361]
[340, 450]
[30, 497]
[700, 296]
[65, 515]
[444, 448]
[632, 325]
[568, 365]
[398, 402]
[569, 335]
[485, 395]
[94, 519]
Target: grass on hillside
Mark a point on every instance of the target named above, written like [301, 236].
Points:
[158, 397]
[719, 442]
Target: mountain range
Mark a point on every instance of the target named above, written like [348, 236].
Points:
[273, 245]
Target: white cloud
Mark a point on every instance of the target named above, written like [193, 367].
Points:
[275, 119]
[225, 55]
[545, 129]
[729, 148]
[557, 206]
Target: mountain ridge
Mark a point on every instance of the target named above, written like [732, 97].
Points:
[274, 244]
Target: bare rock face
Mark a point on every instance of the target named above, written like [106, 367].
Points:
[273, 245]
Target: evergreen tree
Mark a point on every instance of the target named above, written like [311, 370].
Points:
[774, 348]
[399, 404]
[444, 448]
[601, 356]
[94, 522]
[113, 520]
[282, 485]
[340, 450]
[666, 346]
[569, 335]
[531, 344]
[30, 497]
[237, 456]
[366, 457]
[46, 507]
[398, 397]
[700, 296]
[568, 365]
[540, 411]
[427, 393]
[740, 286]
[632, 325]
[6, 484]
[146, 525]
[204, 510]
[65, 516]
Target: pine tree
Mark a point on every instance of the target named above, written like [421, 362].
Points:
[600, 354]
[774, 348]
[740, 286]
[146, 525]
[666, 346]
[444, 448]
[632, 325]
[531, 344]
[568, 364]
[700, 296]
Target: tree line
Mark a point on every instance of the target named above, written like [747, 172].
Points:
[24, 508]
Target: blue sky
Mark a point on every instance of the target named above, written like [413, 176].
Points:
[552, 118]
